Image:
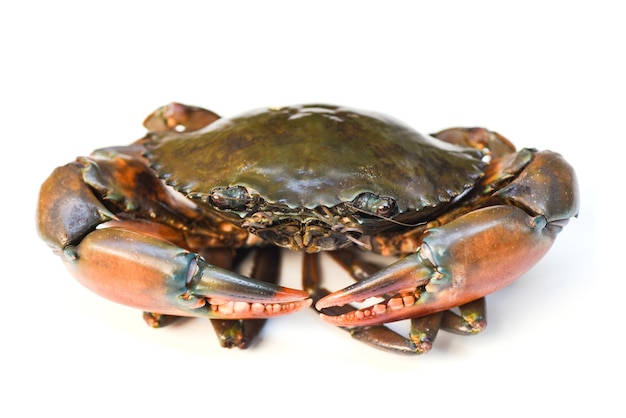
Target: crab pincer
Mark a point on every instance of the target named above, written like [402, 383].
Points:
[156, 276]
[462, 261]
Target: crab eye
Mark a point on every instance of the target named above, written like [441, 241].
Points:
[374, 204]
[385, 207]
[235, 197]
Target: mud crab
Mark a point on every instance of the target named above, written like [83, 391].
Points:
[162, 224]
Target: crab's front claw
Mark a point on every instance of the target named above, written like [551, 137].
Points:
[227, 295]
[396, 284]
[475, 254]
[154, 275]
[459, 262]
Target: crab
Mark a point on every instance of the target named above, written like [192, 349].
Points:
[164, 223]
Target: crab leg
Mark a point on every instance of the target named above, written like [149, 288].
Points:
[176, 117]
[458, 263]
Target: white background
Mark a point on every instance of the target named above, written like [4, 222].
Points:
[81, 75]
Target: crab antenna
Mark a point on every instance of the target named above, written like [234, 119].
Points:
[361, 244]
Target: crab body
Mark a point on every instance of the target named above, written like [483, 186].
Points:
[162, 224]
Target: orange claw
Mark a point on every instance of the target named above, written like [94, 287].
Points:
[459, 262]
[475, 254]
[126, 262]
[154, 275]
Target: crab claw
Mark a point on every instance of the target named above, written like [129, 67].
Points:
[227, 295]
[400, 285]
[154, 275]
[459, 262]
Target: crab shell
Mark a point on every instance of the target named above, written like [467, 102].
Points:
[289, 162]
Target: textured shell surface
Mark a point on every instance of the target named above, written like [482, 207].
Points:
[307, 156]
